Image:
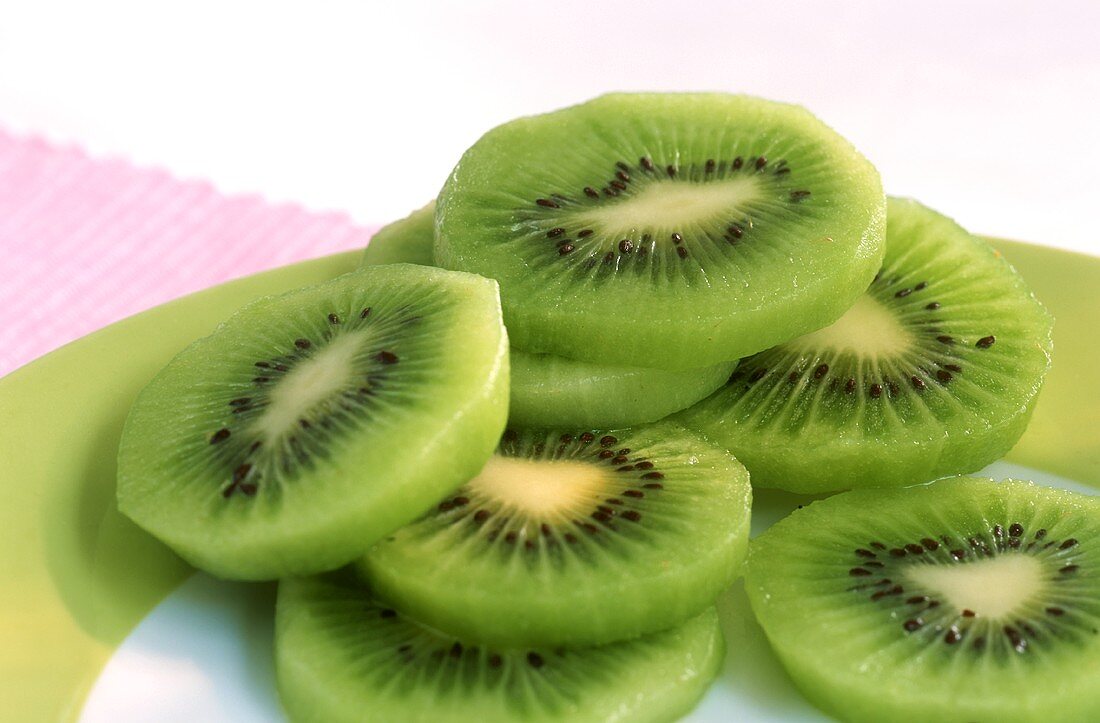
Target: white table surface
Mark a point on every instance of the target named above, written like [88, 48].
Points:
[986, 111]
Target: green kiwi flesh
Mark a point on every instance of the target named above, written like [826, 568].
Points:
[963, 600]
[406, 241]
[552, 391]
[664, 230]
[573, 537]
[340, 655]
[934, 371]
[311, 424]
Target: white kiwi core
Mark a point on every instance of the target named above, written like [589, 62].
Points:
[868, 329]
[674, 206]
[540, 488]
[992, 587]
[311, 382]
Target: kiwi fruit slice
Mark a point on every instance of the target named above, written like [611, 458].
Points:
[934, 371]
[664, 230]
[311, 424]
[340, 655]
[575, 537]
[552, 391]
[407, 241]
[963, 600]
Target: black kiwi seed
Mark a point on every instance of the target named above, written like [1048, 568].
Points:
[681, 252]
[761, 162]
[710, 164]
[364, 313]
[626, 246]
[670, 170]
[535, 660]
[943, 376]
[333, 319]
[584, 232]
[547, 203]
[932, 306]
[555, 232]
[565, 248]
[797, 196]
[220, 436]
[985, 342]
[302, 343]
[646, 163]
[918, 383]
[591, 192]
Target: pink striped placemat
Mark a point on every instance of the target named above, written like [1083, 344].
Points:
[108, 239]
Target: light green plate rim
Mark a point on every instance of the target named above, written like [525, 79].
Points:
[77, 576]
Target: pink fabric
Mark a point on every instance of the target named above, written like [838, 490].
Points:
[85, 242]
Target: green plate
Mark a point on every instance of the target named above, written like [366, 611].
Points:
[77, 576]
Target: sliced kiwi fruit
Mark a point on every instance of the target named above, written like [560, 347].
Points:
[963, 600]
[407, 241]
[934, 371]
[340, 655]
[549, 390]
[552, 391]
[665, 230]
[573, 537]
[311, 424]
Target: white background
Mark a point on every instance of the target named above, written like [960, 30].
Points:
[987, 111]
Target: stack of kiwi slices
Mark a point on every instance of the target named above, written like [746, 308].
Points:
[502, 470]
